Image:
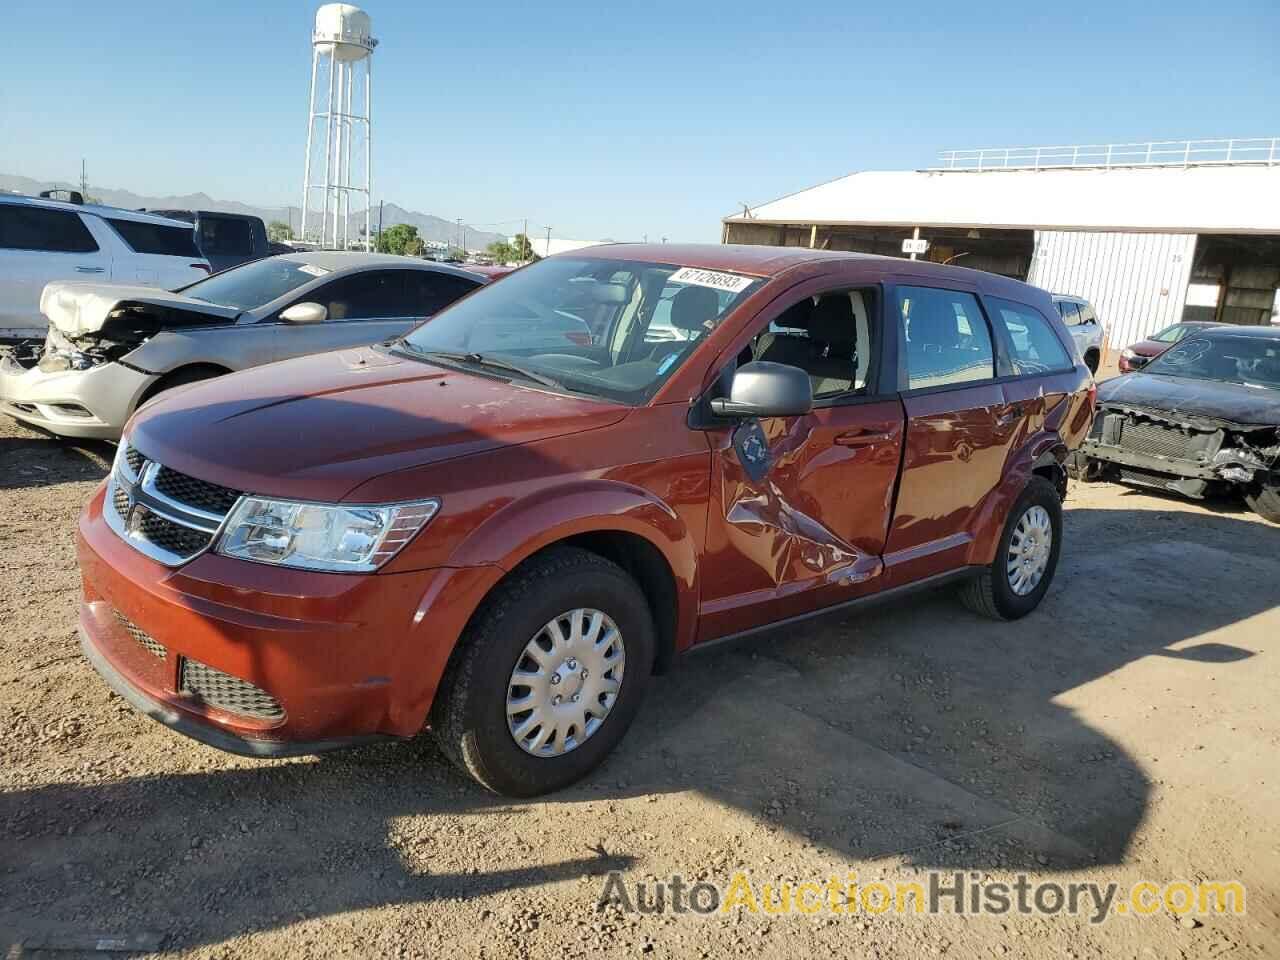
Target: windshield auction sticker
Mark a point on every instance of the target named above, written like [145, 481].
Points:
[714, 279]
[312, 269]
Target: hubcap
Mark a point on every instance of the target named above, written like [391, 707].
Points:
[1029, 550]
[565, 682]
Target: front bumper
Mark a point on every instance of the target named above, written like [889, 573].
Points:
[91, 404]
[347, 658]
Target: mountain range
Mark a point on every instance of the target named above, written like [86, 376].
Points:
[430, 227]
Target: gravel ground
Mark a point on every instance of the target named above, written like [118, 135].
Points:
[1124, 731]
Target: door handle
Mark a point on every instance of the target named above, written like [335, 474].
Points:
[862, 438]
[89, 269]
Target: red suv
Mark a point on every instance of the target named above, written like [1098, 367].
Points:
[504, 545]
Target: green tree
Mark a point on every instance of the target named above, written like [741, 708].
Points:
[517, 250]
[402, 238]
[279, 232]
[523, 248]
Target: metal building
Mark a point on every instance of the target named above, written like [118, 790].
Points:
[1150, 233]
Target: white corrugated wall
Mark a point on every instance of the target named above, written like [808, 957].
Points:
[1136, 281]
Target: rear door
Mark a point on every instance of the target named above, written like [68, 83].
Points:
[159, 255]
[959, 427]
[39, 245]
[800, 506]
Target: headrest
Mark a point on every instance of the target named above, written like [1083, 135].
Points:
[796, 316]
[692, 307]
[832, 320]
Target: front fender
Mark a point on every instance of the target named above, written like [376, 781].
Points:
[529, 524]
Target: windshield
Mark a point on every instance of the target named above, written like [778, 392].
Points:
[251, 285]
[610, 328]
[1252, 361]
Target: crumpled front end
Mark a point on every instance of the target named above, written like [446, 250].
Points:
[1187, 455]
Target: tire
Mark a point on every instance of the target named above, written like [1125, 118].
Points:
[469, 717]
[1265, 502]
[992, 592]
[1091, 361]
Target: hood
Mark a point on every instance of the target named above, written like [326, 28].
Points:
[80, 308]
[1187, 399]
[316, 427]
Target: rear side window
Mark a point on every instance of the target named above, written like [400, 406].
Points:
[1087, 313]
[1070, 313]
[226, 235]
[947, 338]
[34, 228]
[1035, 347]
[430, 292]
[156, 238]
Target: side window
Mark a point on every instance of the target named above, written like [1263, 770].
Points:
[1036, 348]
[156, 238]
[226, 235]
[947, 338]
[1087, 313]
[429, 292]
[1070, 312]
[34, 228]
[831, 337]
[369, 295]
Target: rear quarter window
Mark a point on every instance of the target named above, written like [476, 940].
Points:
[156, 238]
[1034, 347]
[35, 228]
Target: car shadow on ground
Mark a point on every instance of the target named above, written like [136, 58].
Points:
[37, 460]
[914, 733]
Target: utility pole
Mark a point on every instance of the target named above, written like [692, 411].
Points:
[461, 239]
[84, 181]
[380, 202]
[524, 242]
[548, 253]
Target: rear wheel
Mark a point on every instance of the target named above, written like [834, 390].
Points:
[1019, 576]
[1265, 502]
[1091, 360]
[549, 675]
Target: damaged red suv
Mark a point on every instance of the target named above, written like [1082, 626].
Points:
[503, 543]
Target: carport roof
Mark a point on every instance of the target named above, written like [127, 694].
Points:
[1210, 199]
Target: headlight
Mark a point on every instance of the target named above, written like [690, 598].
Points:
[56, 345]
[316, 536]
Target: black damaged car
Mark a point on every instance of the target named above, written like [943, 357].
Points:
[1202, 417]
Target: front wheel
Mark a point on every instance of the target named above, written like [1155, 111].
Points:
[1017, 580]
[549, 675]
[1265, 502]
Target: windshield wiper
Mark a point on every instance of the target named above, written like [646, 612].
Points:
[492, 363]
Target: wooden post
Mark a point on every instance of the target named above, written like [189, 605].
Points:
[813, 236]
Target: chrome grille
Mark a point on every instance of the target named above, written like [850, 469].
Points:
[162, 513]
[196, 493]
[221, 690]
[141, 637]
[1155, 440]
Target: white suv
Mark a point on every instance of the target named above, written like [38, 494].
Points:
[1083, 325]
[46, 240]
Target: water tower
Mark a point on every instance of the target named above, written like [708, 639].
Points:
[341, 78]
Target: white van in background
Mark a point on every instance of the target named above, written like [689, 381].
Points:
[46, 240]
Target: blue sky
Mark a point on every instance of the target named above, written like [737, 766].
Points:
[617, 120]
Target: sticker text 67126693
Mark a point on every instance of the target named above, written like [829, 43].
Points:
[715, 279]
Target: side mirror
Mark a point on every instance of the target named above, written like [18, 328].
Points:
[304, 313]
[763, 389]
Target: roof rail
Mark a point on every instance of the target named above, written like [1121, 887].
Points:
[1255, 151]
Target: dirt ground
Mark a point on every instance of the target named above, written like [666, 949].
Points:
[1125, 731]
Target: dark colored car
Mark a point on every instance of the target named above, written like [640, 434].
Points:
[228, 239]
[1138, 355]
[504, 543]
[1202, 416]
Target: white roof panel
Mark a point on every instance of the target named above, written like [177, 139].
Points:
[1210, 199]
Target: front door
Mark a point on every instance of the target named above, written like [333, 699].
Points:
[362, 308]
[959, 429]
[800, 506]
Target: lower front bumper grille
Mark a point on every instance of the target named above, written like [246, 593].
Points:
[225, 692]
[141, 637]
